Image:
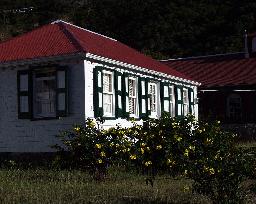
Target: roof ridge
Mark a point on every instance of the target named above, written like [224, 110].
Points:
[71, 37]
[200, 57]
[61, 21]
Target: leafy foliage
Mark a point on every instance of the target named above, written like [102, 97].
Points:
[180, 146]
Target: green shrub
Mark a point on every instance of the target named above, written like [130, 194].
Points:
[180, 146]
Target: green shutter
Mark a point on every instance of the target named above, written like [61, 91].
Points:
[148, 98]
[125, 95]
[178, 90]
[25, 94]
[61, 92]
[142, 92]
[97, 92]
[191, 100]
[118, 94]
[165, 97]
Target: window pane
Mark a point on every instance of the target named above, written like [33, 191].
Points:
[143, 106]
[166, 91]
[23, 104]
[179, 109]
[166, 105]
[61, 79]
[172, 110]
[143, 87]
[24, 82]
[179, 93]
[107, 104]
[99, 79]
[45, 94]
[61, 102]
[107, 82]
[120, 102]
[119, 83]
[100, 100]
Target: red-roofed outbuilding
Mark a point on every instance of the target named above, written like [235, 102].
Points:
[228, 83]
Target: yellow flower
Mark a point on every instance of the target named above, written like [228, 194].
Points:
[99, 161]
[218, 122]
[185, 188]
[102, 154]
[143, 145]
[178, 138]
[111, 144]
[148, 148]
[98, 146]
[142, 150]
[124, 150]
[77, 129]
[211, 171]
[186, 152]
[91, 124]
[170, 162]
[148, 163]
[133, 157]
[208, 141]
[192, 148]
[158, 147]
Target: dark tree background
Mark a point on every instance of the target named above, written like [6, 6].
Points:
[162, 29]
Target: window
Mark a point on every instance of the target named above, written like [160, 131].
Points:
[133, 103]
[172, 101]
[152, 91]
[108, 94]
[42, 93]
[234, 109]
[185, 102]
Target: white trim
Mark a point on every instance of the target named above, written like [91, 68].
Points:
[208, 90]
[200, 57]
[240, 90]
[137, 68]
[61, 21]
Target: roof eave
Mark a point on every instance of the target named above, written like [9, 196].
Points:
[40, 60]
[134, 67]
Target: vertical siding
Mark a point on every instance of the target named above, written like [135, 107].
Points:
[22, 135]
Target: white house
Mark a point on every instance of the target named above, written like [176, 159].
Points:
[60, 74]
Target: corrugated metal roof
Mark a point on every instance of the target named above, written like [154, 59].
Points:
[218, 70]
[61, 38]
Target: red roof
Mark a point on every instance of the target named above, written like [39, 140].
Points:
[219, 70]
[61, 38]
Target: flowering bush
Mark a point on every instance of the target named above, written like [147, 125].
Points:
[180, 146]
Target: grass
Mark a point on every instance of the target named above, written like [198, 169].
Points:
[49, 186]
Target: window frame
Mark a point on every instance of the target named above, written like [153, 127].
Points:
[112, 94]
[30, 92]
[185, 95]
[135, 97]
[155, 113]
[234, 113]
[35, 91]
[172, 110]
